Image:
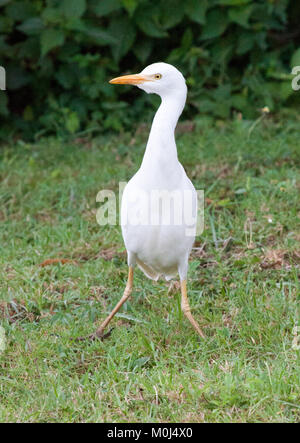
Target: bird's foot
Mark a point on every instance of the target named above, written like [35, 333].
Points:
[98, 335]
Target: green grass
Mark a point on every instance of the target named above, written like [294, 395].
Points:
[243, 285]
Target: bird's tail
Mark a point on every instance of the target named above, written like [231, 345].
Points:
[147, 270]
[152, 273]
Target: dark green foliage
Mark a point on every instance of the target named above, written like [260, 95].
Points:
[59, 55]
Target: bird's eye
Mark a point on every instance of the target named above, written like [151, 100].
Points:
[157, 76]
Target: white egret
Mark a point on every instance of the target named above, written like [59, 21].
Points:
[158, 247]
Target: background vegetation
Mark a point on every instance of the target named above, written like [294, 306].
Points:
[61, 273]
[236, 55]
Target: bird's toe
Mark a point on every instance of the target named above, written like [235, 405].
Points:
[98, 335]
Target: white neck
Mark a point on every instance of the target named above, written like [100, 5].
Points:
[161, 147]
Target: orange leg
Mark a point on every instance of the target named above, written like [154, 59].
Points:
[127, 292]
[187, 310]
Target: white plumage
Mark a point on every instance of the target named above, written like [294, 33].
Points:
[160, 250]
[156, 201]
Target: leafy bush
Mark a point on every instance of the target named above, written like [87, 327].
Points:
[59, 55]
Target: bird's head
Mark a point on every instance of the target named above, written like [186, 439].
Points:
[158, 78]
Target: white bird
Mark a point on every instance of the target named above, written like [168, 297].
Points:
[157, 236]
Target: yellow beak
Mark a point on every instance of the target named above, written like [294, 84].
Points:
[133, 79]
